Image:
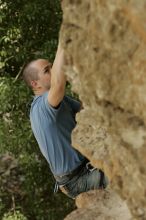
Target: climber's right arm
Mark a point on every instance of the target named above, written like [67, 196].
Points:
[58, 79]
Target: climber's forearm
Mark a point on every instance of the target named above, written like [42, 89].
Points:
[58, 79]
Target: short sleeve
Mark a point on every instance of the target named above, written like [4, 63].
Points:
[75, 105]
[53, 112]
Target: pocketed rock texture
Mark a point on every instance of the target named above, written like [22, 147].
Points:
[105, 45]
[100, 205]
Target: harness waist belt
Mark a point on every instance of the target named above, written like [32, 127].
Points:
[62, 179]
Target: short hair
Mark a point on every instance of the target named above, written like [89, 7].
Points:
[29, 73]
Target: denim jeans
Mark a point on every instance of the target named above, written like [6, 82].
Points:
[88, 179]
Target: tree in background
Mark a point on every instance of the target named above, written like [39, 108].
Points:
[29, 31]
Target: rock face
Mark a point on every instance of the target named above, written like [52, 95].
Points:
[105, 44]
[100, 205]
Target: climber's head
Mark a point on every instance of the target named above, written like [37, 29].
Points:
[37, 75]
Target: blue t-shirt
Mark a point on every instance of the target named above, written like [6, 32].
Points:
[52, 129]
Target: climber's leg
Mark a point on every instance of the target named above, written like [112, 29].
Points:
[88, 179]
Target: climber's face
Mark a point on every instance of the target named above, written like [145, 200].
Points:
[43, 68]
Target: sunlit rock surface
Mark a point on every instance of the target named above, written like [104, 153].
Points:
[105, 45]
[100, 205]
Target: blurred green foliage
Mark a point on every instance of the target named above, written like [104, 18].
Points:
[14, 216]
[29, 30]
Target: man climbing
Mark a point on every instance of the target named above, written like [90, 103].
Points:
[52, 117]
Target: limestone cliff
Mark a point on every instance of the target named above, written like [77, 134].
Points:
[105, 44]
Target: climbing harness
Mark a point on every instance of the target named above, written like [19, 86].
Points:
[90, 167]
